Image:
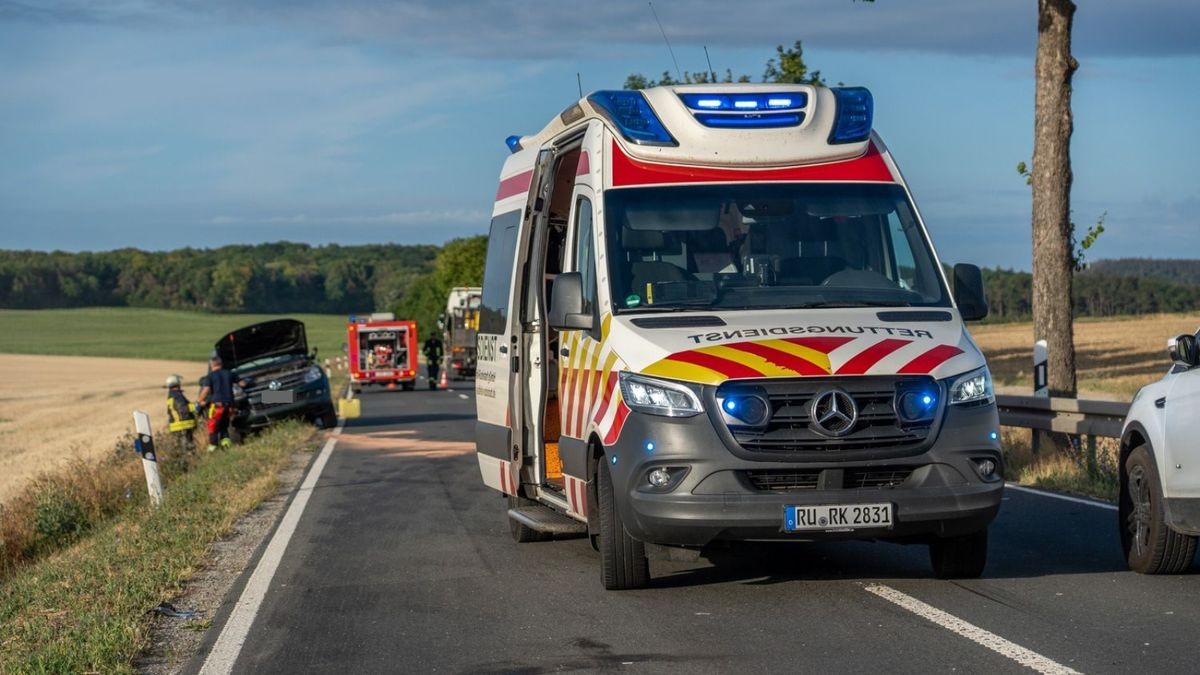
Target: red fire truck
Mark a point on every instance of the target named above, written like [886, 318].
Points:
[382, 351]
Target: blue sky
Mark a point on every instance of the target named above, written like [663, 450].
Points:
[201, 123]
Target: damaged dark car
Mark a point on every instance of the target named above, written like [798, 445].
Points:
[281, 376]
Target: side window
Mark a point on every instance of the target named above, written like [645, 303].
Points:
[585, 259]
[497, 273]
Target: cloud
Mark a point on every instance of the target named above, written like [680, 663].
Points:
[549, 29]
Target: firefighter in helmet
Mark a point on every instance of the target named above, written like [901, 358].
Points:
[181, 415]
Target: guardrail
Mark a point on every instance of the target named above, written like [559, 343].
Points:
[1066, 415]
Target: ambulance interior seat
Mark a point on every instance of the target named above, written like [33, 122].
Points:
[819, 257]
[645, 249]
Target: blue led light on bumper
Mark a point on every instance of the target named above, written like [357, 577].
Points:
[633, 117]
[745, 410]
[916, 405]
[855, 111]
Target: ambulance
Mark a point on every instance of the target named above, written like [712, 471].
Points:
[712, 314]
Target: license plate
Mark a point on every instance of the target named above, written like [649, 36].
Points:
[385, 373]
[837, 517]
[278, 396]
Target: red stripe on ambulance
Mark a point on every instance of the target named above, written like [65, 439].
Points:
[864, 360]
[514, 185]
[931, 359]
[629, 171]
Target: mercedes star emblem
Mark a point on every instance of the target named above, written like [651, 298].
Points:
[834, 412]
[274, 385]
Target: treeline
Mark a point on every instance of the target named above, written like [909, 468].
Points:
[275, 277]
[458, 263]
[1010, 294]
[1177, 271]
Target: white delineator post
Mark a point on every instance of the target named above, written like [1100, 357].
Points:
[144, 444]
[1040, 381]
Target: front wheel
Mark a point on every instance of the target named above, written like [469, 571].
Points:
[1150, 545]
[623, 563]
[961, 557]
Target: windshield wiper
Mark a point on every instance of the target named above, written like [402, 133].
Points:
[857, 303]
[696, 307]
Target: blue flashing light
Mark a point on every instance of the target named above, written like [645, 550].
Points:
[649, 446]
[855, 112]
[750, 120]
[513, 143]
[351, 318]
[751, 410]
[731, 404]
[916, 405]
[614, 460]
[993, 435]
[926, 400]
[633, 117]
[794, 100]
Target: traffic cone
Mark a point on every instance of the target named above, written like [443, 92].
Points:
[445, 382]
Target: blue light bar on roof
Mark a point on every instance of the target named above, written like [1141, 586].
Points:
[633, 117]
[855, 110]
[748, 110]
[792, 100]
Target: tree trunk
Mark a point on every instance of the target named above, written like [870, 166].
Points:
[1053, 258]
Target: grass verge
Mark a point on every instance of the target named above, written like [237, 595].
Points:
[86, 607]
[1072, 472]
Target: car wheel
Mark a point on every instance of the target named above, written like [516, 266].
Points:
[1149, 543]
[522, 533]
[327, 420]
[623, 563]
[961, 557]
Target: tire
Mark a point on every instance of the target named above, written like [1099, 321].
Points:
[326, 420]
[1149, 543]
[408, 386]
[961, 557]
[521, 533]
[623, 563]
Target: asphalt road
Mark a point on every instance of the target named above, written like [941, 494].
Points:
[402, 562]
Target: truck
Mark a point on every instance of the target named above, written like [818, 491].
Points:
[382, 351]
[461, 323]
[712, 314]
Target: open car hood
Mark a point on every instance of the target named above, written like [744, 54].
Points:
[269, 338]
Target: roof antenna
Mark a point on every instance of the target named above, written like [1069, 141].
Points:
[678, 75]
[710, 68]
[579, 83]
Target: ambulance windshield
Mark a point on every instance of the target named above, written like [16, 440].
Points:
[767, 246]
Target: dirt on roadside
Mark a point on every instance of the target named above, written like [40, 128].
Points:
[53, 408]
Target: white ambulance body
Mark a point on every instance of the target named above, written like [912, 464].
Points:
[711, 313]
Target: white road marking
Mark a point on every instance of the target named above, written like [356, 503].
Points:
[1011, 650]
[463, 396]
[1078, 500]
[229, 643]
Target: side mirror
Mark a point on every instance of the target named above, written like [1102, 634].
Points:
[1183, 351]
[314, 353]
[968, 292]
[566, 304]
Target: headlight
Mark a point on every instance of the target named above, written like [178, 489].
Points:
[312, 374]
[658, 397]
[974, 387]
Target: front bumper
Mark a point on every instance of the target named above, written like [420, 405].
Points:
[942, 494]
[309, 404]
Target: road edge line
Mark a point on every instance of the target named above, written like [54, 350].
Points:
[228, 646]
[1078, 500]
[1006, 648]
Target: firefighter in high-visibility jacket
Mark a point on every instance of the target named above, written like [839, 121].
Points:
[181, 415]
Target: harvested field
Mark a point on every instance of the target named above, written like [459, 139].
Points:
[53, 408]
[1116, 357]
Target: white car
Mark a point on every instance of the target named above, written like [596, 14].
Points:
[1159, 503]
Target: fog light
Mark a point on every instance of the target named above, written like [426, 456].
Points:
[987, 468]
[659, 477]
